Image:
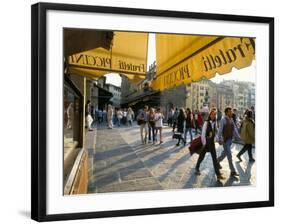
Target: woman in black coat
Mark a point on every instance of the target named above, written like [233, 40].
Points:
[180, 125]
[209, 131]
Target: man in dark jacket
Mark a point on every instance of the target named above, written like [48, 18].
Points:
[227, 130]
[180, 125]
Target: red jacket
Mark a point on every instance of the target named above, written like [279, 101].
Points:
[200, 120]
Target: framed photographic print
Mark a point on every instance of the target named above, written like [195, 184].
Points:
[140, 111]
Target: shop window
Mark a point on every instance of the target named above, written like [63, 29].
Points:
[71, 118]
[72, 127]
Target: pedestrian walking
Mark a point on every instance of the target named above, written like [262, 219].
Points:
[205, 112]
[253, 111]
[200, 121]
[88, 107]
[142, 122]
[234, 117]
[170, 117]
[124, 119]
[180, 126]
[219, 116]
[104, 115]
[175, 119]
[119, 117]
[109, 116]
[89, 120]
[151, 125]
[227, 131]
[130, 116]
[248, 136]
[100, 116]
[209, 131]
[159, 124]
[115, 120]
[188, 124]
[196, 121]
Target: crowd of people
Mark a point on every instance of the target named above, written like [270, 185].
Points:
[110, 116]
[212, 127]
[150, 122]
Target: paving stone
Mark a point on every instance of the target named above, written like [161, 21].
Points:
[134, 174]
[122, 164]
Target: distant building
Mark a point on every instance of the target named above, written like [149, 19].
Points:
[115, 98]
[225, 96]
[99, 94]
[240, 95]
[252, 94]
[200, 94]
[196, 95]
[116, 91]
[138, 95]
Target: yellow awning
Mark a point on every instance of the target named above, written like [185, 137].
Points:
[95, 75]
[182, 59]
[78, 40]
[128, 56]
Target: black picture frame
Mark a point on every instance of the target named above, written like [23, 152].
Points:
[39, 108]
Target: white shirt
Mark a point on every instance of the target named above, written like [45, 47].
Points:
[204, 129]
[130, 115]
[119, 114]
[158, 120]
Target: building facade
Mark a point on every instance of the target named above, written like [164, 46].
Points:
[200, 94]
[196, 95]
[116, 92]
[238, 94]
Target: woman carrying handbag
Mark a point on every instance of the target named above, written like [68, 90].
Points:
[180, 126]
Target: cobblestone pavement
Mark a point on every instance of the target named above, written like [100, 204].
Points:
[120, 163]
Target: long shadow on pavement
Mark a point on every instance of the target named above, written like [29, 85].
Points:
[244, 176]
[160, 157]
[122, 149]
[193, 178]
[110, 178]
[180, 161]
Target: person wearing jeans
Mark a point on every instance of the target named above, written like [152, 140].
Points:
[159, 124]
[151, 125]
[180, 126]
[119, 117]
[144, 127]
[142, 120]
[227, 130]
[227, 153]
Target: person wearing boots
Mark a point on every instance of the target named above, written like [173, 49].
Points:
[180, 126]
[248, 136]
